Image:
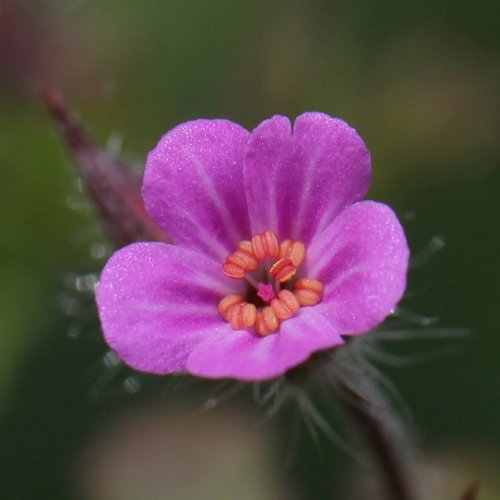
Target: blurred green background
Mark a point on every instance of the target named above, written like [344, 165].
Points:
[421, 83]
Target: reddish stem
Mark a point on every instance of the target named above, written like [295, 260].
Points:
[113, 187]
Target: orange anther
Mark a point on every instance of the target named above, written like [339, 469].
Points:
[266, 321]
[260, 326]
[293, 250]
[241, 261]
[265, 245]
[246, 246]
[286, 305]
[309, 292]
[248, 315]
[233, 271]
[227, 303]
[283, 270]
[242, 315]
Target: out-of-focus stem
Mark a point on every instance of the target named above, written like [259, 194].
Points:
[471, 492]
[113, 187]
[381, 442]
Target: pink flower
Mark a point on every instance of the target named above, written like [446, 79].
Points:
[275, 256]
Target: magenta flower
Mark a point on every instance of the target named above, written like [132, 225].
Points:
[275, 256]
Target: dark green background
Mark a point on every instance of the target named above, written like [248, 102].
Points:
[421, 83]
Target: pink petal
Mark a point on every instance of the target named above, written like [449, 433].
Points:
[297, 183]
[157, 302]
[244, 356]
[362, 259]
[193, 186]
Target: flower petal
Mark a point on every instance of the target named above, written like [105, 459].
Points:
[244, 356]
[362, 259]
[297, 183]
[157, 301]
[193, 186]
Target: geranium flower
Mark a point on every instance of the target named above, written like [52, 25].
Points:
[275, 256]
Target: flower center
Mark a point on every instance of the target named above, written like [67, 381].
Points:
[270, 268]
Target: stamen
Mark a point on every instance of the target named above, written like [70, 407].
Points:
[309, 292]
[283, 270]
[265, 245]
[242, 261]
[286, 305]
[242, 315]
[293, 250]
[266, 322]
[233, 271]
[227, 303]
[283, 303]
[252, 281]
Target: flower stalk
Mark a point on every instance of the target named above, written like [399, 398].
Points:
[381, 442]
[355, 387]
[114, 188]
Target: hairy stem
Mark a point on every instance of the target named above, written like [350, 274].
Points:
[381, 441]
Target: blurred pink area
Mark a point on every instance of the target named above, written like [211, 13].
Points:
[161, 454]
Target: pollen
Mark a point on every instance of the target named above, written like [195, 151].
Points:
[293, 250]
[242, 315]
[309, 292]
[274, 293]
[286, 305]
[227, 303]
[283, 270]
[266, 322]
[241, 261]
[238, 313]
[265, 245]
